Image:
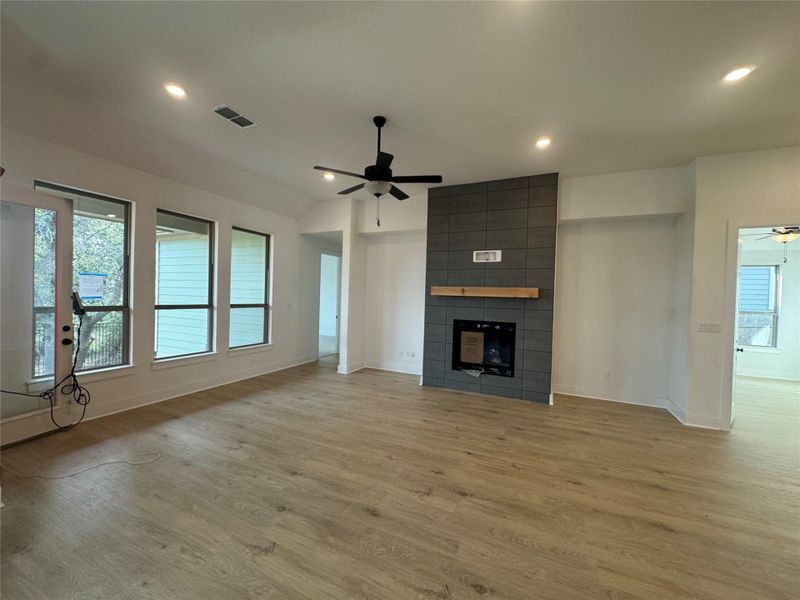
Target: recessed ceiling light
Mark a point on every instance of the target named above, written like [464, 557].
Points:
[543, 142]
[175, 90]
[329, 176]
[111, 216]
[739, 73]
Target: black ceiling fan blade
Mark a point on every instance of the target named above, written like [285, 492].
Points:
[384, 160]
[417, 179]
[339, 171]
[352, 189]
[398, 193]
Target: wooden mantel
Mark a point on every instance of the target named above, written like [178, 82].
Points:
[485, 292]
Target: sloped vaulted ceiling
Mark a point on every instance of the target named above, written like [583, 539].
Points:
[467, 87]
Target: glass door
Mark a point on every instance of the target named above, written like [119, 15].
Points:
[35, 277]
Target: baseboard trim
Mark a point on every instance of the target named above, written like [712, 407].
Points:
[569, 390]
[676, 411]
[348, 369]
[39, 424]
[704, 422]
[766, 377]
[684, 418]
[390, 366]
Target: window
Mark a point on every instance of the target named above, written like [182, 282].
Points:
[184, 285]
[759, 298]
[100, 274]
[249, 288]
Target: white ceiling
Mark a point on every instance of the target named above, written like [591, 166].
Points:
[467, 87]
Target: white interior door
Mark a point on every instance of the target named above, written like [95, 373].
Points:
[35, 288]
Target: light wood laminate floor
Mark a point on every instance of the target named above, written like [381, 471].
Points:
[306, 484]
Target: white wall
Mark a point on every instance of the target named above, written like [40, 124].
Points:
[614, 306]
[748, 189]
[626, 195]
[681, 293]
[623, 286]
[395, 301]
[410, 214]
[782, 362]
[294, 337]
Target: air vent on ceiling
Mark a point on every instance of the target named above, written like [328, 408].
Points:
[227, 113]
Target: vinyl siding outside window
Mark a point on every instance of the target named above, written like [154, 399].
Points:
[249, 317]
[184, 285]
[758, 302]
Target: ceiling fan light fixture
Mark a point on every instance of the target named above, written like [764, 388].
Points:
[377, 188]
[543, 142]
[785, 238]
[329, 176]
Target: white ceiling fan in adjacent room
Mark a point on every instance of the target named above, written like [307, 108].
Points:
[784, 234]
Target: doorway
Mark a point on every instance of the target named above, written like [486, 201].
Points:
[35, 286]
[766, 369]
[330, 270]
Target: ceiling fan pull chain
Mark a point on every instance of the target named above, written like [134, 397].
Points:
[378, 216]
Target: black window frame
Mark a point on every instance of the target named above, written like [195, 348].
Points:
[211, 283]
[263, 305]
[125, 307]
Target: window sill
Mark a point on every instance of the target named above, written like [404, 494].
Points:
[107, 373]
[179, 361]
[41, 384]
[34, 386]
[242, 350]
[761, 350]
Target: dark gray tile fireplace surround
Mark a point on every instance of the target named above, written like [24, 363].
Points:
[517, 216]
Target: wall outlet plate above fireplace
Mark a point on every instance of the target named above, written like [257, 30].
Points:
[484, 256]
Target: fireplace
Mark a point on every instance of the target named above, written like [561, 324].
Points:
[484, 346]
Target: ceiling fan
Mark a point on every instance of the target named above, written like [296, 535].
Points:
[378, 177]
[781, 235]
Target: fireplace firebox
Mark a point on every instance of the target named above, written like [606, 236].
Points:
[484, 346]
